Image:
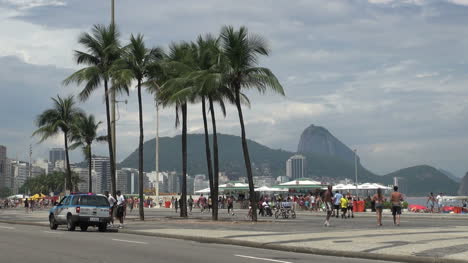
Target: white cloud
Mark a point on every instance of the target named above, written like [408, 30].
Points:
[26, 4]
[459, 2]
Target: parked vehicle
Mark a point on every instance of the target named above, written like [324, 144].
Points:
[81, 210]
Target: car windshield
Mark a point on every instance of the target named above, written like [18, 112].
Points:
[94, 200]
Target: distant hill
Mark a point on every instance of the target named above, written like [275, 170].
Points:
[318, 140]
[421, 180]
[265, 161]
[414, 181]
[451, 175]
[463, 189]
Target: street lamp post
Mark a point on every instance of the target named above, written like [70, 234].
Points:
[157, 151]
[355, 169]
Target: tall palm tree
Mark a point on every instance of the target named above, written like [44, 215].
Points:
[59, 118]
[137, 63]
[83, 134]
[102, 51]
[178, 65]
[241, 51]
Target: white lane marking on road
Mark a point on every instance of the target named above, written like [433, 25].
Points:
[7, 227]
[52, 232]
[129, 241]
[265, 259]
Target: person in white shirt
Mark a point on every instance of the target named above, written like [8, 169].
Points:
[112, 202]
[439, 202]
[120, 208]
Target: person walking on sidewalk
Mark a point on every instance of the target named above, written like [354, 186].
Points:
[112, 203]
[379, 200]
[230, 205]
[202, 203]
[350, 198]
[344, 206]
[176, 204]
[26, 205]
[337, 202]
[190, 204]
[431, 201]
[327, 199]
[396, 200]
[120, 208]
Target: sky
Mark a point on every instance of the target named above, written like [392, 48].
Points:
[386, 77]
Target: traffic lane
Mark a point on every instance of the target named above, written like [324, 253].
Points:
[20, 243]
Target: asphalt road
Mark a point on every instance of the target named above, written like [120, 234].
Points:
[22, 243]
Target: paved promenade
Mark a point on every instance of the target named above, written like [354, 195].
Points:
[420, 238]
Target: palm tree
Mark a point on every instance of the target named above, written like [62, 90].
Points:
[84, 133]
[102, 51]
[60, 118]
[137, 63]
[241, 52]
[177, 67]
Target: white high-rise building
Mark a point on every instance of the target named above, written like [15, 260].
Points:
[20, 171]
[83, 173]
[296, 167]
[44, 164]
[101, 165]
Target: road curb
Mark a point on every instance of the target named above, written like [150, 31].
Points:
[285, 248]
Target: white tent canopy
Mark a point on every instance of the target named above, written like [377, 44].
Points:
[302, 182]
[344, 187]
[270, 189]
[372, 186]
[203, 191]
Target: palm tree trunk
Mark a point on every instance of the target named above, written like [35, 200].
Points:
[68, 178]
[140, 154]
[248, 165]
[90, 163]
[183, 207]
[109, 141]
[207, 147]
[215, 190]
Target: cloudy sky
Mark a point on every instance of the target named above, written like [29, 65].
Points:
[387, 77]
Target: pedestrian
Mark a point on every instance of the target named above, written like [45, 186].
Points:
[344, 206]
[350, 198]
[131, 204]
[176, 204]
[160, 202]
[327, 199]
[431, 200]
[202, 203]
[439, 200]
[230, 205]
[337, 201]
[26, 205]
[112, 203]
[396, 200]
[120, 208]
[210, 203]
[379, 200]
[190, 204]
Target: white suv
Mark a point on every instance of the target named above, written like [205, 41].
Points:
[81, 210]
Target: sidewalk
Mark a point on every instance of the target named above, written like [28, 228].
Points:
[432, 238]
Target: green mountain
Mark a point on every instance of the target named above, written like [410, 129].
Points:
[421, 180]
[414, 181]
[265, 161]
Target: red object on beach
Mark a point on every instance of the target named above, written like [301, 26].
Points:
[447, 208]
[167, 204]
[416, 207]
[457, 209]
